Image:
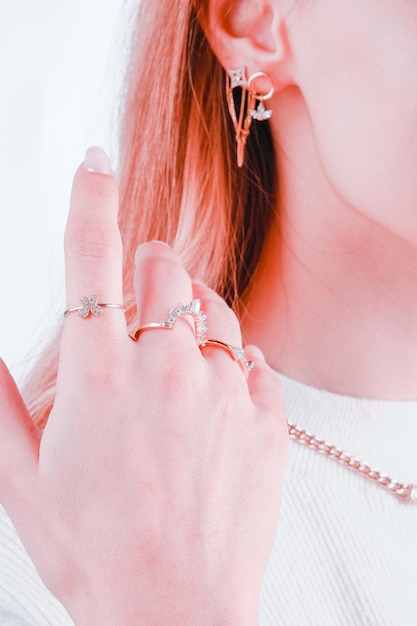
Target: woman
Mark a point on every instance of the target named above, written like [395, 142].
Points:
[149, 490]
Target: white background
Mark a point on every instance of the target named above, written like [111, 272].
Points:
[60, 68]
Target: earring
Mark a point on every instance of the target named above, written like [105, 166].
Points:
[242, 118]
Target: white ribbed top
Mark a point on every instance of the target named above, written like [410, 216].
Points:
[345, 552]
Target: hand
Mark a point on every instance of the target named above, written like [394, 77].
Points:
[152, 495]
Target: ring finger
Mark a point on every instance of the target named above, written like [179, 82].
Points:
[224, 338]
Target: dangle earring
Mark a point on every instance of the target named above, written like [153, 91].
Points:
[253, 91]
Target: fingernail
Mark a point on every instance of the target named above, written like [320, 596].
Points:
[163, 243]
[96, 160]
[143, 247]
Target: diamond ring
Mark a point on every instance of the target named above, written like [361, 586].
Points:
[193, 310]
[235, 352]
[91, 306]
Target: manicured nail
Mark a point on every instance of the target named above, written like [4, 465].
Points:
[143, 248]
[163, 243]
[96, 160]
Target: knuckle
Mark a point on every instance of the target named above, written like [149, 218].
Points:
[158, 273]
[99, 369]
[176, 376]
[274, 433]
[234, 381]
[101, 188]
[93, 240]
[5, 470]
[101, 384]
[158, 266]
[181, 385]
[107, 370]
[221, 309]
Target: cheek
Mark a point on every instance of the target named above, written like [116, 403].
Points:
[363, 108]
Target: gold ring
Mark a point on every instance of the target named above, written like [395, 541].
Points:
[193, 309]
[235, 352]
[91, 306]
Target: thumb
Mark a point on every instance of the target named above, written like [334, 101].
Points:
[19, 440]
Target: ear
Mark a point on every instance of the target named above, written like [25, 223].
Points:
[251, 33]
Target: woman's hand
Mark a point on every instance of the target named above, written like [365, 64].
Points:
[152, 495]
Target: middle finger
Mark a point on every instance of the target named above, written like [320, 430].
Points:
[161, 283]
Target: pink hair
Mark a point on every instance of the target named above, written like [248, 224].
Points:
[178, 177]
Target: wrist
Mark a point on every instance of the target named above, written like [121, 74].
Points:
[165, 612]
[190, 603]
[100, 617]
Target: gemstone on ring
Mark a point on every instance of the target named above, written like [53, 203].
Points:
[193, 309]
[240, 356]
[91, 306]
[235, 352]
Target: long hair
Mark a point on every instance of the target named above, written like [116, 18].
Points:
[177, 172]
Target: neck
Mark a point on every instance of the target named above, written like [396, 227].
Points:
[334, 300]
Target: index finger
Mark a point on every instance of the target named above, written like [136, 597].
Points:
[93, 250]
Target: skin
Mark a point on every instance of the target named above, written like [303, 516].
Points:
[333, 302]
[330, 305]
[146, 495]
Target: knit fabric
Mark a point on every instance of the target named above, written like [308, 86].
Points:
[345, 551]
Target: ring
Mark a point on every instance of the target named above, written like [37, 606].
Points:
[193, 309]
[91, 306]
[235, 352]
